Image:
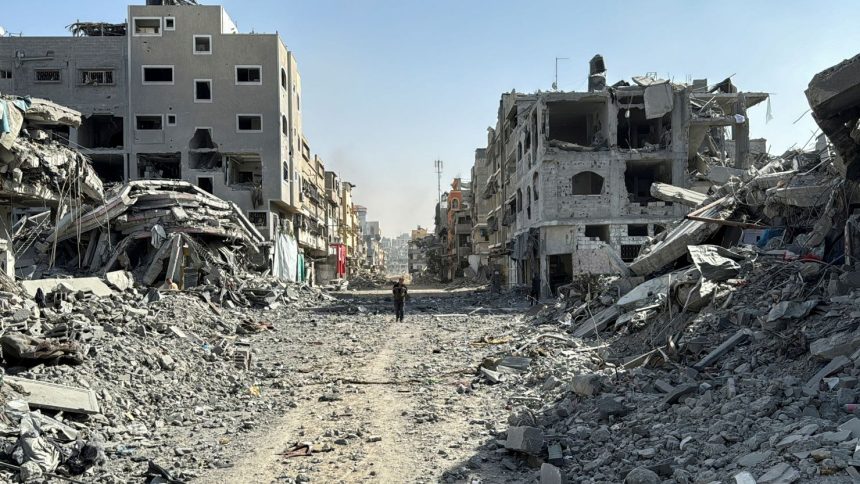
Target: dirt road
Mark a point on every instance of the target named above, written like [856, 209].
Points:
[383, 401]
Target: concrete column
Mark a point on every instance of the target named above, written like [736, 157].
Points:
[741, 134]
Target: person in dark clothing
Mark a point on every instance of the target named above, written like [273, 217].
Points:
[534, 294]
[399, 292]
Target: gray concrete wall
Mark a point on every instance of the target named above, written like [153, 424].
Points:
[175, 48]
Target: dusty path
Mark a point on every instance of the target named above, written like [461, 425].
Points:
[391, 406]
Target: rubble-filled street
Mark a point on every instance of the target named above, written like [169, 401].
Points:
[217, 267]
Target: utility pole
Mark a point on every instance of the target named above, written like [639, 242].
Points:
[437, 164]
[555, 83]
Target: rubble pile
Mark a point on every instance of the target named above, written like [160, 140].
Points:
[729, 352]
[365, 279]
[34, 166]
[95, 381]
[158, 229]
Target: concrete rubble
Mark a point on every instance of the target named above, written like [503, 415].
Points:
[730, 351]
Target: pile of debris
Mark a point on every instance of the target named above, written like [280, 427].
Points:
[364, 279]
[158, 229]
[36, 168]
[728, 352]
[99, 372]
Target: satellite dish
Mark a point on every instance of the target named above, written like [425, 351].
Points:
[2, 31]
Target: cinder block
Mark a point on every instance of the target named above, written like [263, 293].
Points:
[528, 440]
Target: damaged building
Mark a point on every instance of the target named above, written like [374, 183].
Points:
[571, 173]
[179, 93]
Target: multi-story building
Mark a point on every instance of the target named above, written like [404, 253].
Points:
[417, 258]
[479, 209]
[350, 229]
[572, 171]
[180, 93]
[396, 252]
[459, 228]
[86, 72]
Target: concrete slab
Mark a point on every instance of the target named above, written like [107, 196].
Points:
[51, 396]
[92, 285]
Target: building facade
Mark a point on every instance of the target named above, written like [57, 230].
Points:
[570, 173]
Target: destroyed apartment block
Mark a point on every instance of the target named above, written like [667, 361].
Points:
[581, 181]
[156, 229]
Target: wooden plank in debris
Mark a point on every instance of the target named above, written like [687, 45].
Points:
[51, 396]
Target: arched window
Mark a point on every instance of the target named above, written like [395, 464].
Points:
[587, 183]
[535, 180]
[529, 202]
[519, 200]
[283, 78]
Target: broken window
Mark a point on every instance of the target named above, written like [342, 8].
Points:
[152, 166]
[630, 252]
[202, 140]
[206, 183]
[640, 175]
[249, 75]
[587, 183]
[257, 218]
[109, 167]
[158, 74]
[144, 26]
[635, 131]
[148, 122]
[529, 202]
[659, 229]
[203, 90]
[535, 180]
[519, 200]
[244, 170]
[597, 232]
[284, 78]
[202, 44]
[4, 74]
[634, 230]
[101, 131]
[560, 270]
[204, 160]
[103, 77]
[249, 122]
[579, 122]
[171, 120]
[47, 75]
[169, 23]
[286, 174]
[455, 204]
[285, 126]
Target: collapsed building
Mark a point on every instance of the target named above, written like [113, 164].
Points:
[571, 172]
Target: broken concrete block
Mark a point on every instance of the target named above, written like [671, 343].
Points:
[642, 475]
[585, 385]
[852, 426]
[744, 478]
[550, 474]
[57, 397]
[780, 474]
[835, 345]
[121, 280]
[835, 365]
[92, 285]
[680, 392]
[741, 336]
[528, 440]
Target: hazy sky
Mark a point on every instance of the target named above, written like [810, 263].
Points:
[391, 85]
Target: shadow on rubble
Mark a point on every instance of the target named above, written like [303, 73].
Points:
[422, 301]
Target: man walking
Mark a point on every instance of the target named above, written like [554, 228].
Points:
[399, 292]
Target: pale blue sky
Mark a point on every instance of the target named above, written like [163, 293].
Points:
[390, 85]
